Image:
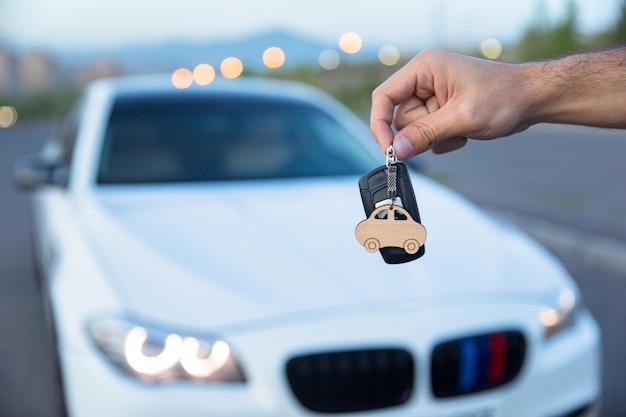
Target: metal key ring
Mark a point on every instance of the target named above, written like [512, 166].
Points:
[391, 156]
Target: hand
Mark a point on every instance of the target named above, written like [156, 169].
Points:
[439, 99]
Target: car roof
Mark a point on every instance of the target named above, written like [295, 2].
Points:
[259, 87]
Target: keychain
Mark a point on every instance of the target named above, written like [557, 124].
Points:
[393, 226]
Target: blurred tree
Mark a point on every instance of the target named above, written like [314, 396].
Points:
[543, 40]
[350, 84]
[619, 31]
[613, 36]
[565, 34]
[45, 105]
[530, 45]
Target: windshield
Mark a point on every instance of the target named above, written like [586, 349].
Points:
[195, 138]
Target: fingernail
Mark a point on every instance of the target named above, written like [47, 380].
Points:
[403, 147]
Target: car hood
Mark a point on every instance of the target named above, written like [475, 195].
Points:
[217, 254]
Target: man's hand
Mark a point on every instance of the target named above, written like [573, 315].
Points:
[439, 99]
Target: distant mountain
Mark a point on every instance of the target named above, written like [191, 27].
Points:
[299, 50]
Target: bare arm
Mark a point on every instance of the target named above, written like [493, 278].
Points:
[438, 99]
[586, 89]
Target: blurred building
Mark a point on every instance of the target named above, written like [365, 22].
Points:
[37, 71]
[23, 73]
[95, 70]
[8, 72]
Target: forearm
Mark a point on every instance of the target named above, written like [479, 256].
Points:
[586, 89]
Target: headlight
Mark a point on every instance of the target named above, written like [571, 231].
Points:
[559, 311]
[155, 355]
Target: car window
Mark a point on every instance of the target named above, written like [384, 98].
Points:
[384, 215]
[193, 138]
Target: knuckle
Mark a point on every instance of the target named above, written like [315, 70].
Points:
[375, 93]
[467, 115]
[428, 134]
[424, 53]
[427, 53]
[424, 134]
[400, 121]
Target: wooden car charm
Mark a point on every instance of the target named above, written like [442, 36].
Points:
[391, 226]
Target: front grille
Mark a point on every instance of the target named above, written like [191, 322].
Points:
[348, 381]
[476, 363]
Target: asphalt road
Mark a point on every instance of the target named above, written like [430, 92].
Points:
[28, 378]
[569, 175]
[564, 185]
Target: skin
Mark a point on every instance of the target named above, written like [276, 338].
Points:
[438, 100]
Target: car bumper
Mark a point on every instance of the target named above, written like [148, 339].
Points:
[559, 375]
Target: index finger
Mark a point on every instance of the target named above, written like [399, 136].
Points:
[381, 117]
[395, 90]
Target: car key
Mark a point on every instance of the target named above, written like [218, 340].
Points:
[393, 225]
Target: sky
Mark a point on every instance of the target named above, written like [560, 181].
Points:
[407, 24]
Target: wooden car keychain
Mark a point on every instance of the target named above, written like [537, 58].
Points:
[393, 226]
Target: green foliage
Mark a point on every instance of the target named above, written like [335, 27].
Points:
[353, 85]
[618, 32]
[51, 104]
[544, 39]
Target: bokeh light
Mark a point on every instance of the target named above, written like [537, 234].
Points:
[274, 57]
[231, 67]
[182, 78]
[389, 55]
[329, 59]
[203, 74]
[350, 43]
[491, 48]
[8, 116]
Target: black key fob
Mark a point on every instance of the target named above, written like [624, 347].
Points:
[375, 193]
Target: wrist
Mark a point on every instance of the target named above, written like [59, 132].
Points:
[539, 93]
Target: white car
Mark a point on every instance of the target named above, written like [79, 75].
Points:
[198, 256]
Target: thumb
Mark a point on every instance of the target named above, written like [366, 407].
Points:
[425, 133]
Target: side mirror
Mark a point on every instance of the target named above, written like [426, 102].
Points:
[35, 170]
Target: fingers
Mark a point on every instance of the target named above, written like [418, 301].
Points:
[414, 109]
[418, 105]
[436, 131]
[381, 118]
[409, 111]
[395, 90]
